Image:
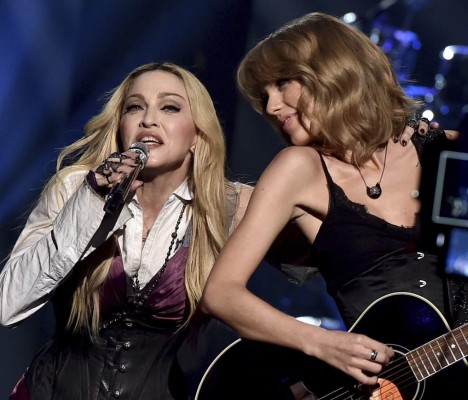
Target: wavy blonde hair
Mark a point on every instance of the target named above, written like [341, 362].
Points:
[350, 92]
[206, 180]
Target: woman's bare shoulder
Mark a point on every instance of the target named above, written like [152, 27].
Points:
[301, 162]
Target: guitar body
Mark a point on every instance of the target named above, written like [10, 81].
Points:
[252, 370]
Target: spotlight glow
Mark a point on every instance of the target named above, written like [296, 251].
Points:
[428, 114]
[350, 18]
[448, 53]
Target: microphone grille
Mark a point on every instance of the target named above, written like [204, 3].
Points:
[142, 149]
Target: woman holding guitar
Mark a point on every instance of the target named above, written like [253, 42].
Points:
[352, 189]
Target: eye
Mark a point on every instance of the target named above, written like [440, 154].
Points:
[170, 108]
[131, 108]
[282, 82]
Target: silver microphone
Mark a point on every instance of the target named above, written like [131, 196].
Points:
[119, 192]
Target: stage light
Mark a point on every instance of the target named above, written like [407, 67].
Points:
[350, 18]
[428, 114]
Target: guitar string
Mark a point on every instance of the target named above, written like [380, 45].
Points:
[403, 362]
[434, 345]
[349, 395]
[400, 374]
[391, 376]
[390, 373]
[461, 343]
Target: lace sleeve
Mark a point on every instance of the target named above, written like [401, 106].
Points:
[433, 140]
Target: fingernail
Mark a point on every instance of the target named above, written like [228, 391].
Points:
[404, 142]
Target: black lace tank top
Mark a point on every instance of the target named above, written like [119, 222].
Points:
[351, 239]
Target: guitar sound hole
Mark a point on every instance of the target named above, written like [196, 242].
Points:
[396, 382]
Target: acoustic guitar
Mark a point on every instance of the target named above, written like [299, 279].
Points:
[423, 343]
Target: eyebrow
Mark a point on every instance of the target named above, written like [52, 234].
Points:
[160, 95]
[166, 94]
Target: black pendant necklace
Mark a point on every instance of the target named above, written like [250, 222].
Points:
[375, 191]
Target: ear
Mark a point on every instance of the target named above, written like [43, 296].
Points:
[192, 147]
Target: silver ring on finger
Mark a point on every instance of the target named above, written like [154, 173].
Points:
[114, 166]
[373, 355]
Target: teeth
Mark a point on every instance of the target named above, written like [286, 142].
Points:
[150, 140]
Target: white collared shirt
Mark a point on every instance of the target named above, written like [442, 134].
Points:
[149, 259]
[63, 229]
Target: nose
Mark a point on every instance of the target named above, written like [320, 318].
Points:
[149, 118]
[274, 103]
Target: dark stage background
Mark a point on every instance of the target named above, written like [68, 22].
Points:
[57, 58]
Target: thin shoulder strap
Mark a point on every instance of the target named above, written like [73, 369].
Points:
[332, 192]
[325, 169]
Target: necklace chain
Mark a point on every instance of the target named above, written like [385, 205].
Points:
[375, 191]
[146, 232]
[138, 298]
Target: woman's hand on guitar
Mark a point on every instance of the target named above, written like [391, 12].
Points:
[355, 354]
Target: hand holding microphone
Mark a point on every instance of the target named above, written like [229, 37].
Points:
[116, 163]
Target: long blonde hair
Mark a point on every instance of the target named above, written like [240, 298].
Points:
[350, 94]
[206, 180]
